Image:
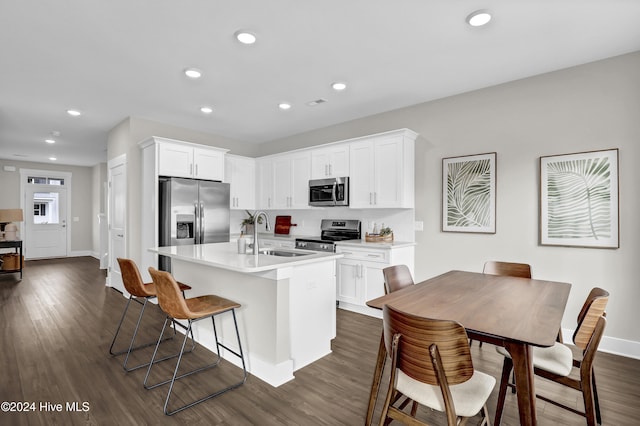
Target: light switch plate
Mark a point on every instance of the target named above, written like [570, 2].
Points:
[419, 226]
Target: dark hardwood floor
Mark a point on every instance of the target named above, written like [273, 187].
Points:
[57, 324]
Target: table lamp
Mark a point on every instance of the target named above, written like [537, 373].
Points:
[10, 229]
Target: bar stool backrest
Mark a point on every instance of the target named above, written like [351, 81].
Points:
[169, 294]
[132, 279]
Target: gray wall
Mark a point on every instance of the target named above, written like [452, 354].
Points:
[590, 107]
[81, 199]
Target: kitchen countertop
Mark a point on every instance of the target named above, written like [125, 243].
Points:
[225, 256]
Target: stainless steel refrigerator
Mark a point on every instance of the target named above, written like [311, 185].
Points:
[192, 211]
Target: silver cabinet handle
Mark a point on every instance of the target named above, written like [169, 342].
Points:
[191, 168]
[371, 198]
[330, 170]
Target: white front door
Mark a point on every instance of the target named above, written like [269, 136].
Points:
[45, 217]
[117, 219]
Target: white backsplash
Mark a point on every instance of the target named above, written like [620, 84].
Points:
[308, 221]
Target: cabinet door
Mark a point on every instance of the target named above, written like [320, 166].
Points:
[373, 278]
[330, 162]
[240, 173]
[208, 164]
[361, 175]
[348, 281]
[175, 160]
[339, 161]
[300, 175]
[281, 182]
[265, 183]
[388, 172]
[320, 159]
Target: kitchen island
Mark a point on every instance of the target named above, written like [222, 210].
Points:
[288, 314]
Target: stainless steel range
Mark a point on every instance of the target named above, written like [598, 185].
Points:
[332, 230]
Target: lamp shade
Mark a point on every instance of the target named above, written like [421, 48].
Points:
[11, 215]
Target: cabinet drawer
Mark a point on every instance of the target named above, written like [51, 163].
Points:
[381, 256]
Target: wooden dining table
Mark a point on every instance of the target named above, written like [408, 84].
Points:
[516, 313]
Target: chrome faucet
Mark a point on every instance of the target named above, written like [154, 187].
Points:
[256, 216]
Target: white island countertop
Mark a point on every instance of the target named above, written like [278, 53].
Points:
[225, 256]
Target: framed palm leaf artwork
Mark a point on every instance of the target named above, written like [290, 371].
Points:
[469, 193]
[579, 199]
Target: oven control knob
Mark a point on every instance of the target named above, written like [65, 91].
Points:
[324, 247]
[302, 244]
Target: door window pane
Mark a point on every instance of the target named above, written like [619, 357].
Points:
[46, 208]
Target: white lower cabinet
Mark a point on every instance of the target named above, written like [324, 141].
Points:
[359, 274]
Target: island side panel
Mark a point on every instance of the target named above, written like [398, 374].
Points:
[287, 319]
[313, 311]
[263, 318]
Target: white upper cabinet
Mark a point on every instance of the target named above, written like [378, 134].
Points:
[330, 161]
[240, 174]
[291, 174]
[382, 171]
[264, 185]
[183, 159]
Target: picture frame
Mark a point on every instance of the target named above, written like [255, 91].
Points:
[469, 193]
[579, 200]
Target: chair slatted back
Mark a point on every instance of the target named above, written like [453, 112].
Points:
[396, 277]
[170, 296]
[132, 279]
[593, 308]
[417, 335]
[521, 270]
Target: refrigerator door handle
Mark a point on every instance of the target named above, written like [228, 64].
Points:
[201, 223]
[196, 220]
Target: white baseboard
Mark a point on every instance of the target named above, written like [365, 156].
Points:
[612, 345]
[80, 253]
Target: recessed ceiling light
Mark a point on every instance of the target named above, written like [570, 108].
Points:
[339, 86]
[52, 158]
[284, 105]
[479, 18]
[193, 73]
[49, 141]
[74, 112]
[206, 110]
[245, 37]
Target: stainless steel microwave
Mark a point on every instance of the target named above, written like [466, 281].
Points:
[329, 192]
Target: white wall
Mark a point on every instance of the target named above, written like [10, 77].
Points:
[590, 107]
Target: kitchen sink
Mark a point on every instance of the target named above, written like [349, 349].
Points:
[282, 253]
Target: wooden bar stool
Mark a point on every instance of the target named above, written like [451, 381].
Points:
[137, 290]
[194, 309]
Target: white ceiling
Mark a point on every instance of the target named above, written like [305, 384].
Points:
[119, 58]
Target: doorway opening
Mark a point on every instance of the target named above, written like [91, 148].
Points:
[45, 201]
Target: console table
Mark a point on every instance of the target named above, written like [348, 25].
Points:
[17, 245]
